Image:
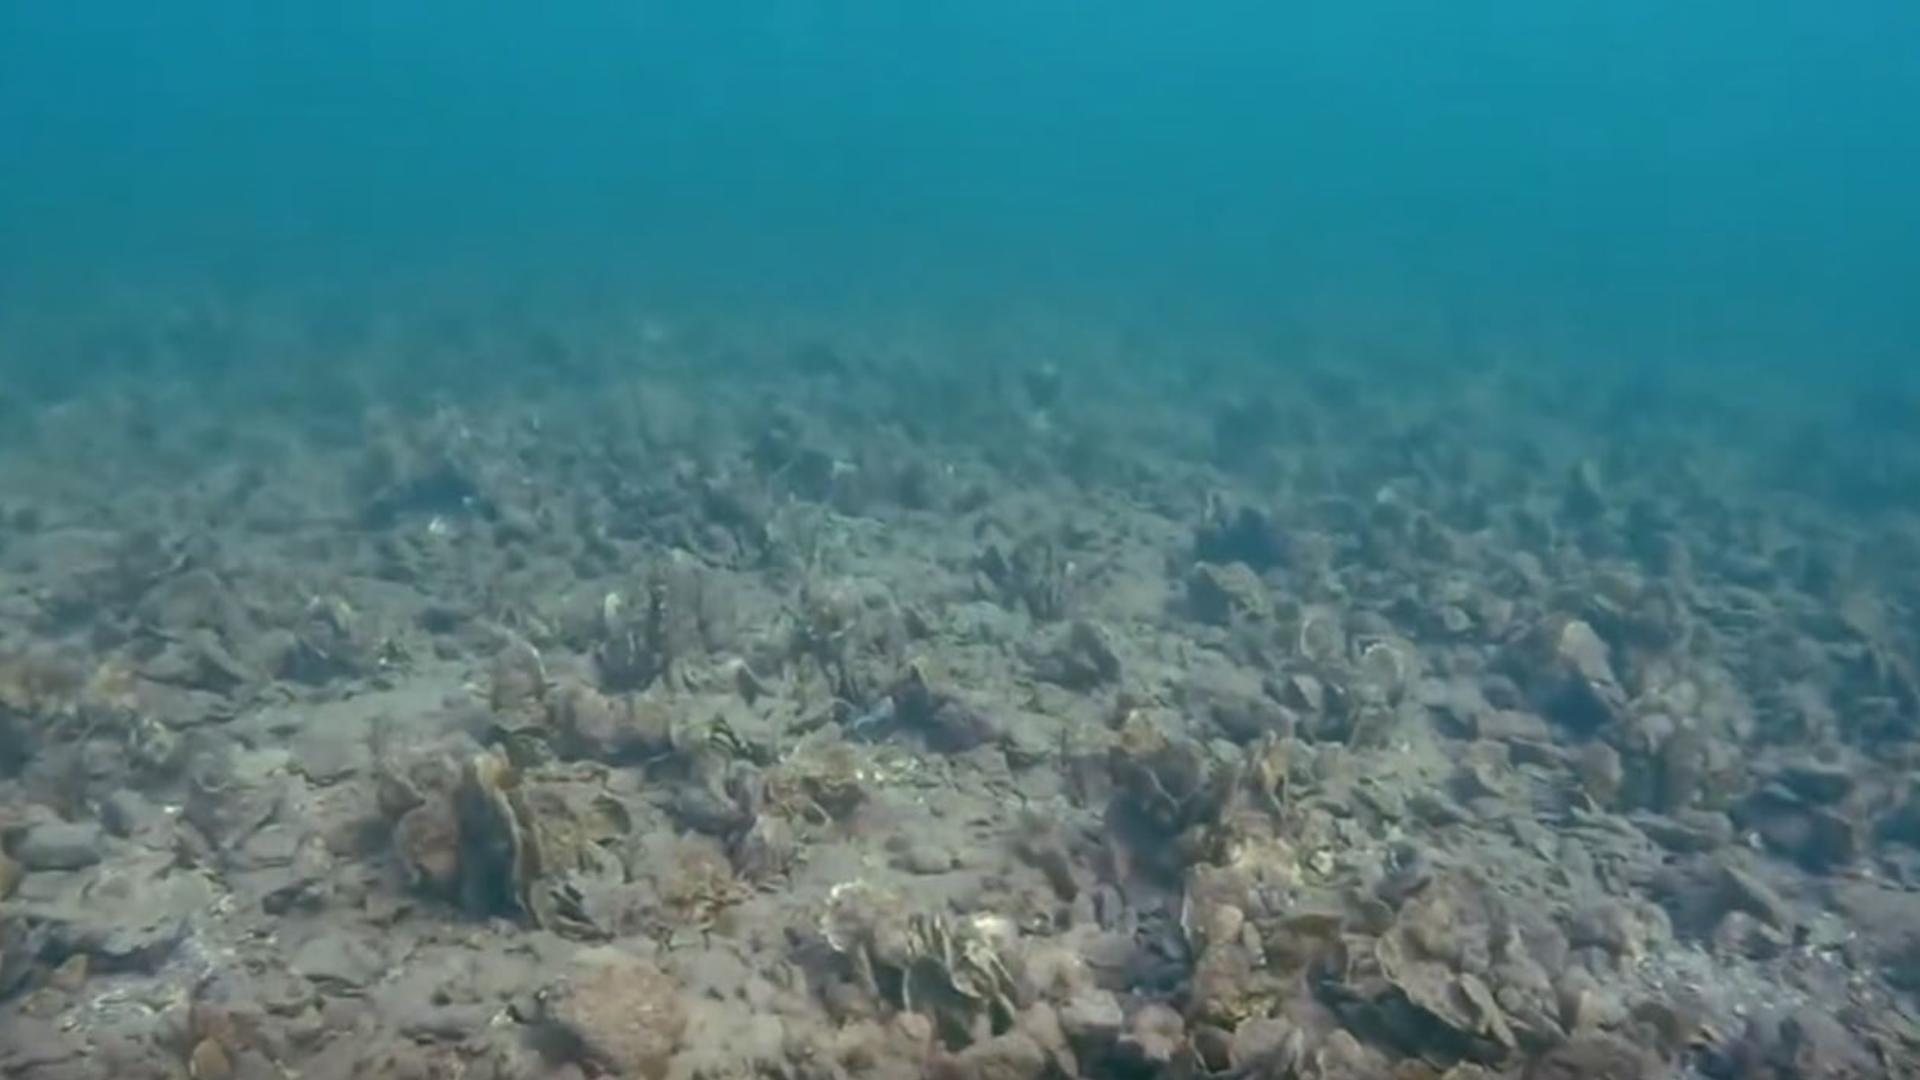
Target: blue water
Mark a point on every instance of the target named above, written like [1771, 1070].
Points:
[1728, 182]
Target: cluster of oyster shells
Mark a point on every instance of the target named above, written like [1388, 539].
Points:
[954, 971]
[499, 842]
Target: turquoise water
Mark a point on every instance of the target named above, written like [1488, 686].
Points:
[1729, 183]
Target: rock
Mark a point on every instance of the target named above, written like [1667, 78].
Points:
[921, 854]
[1458, 706]
[1818, 783]
[1013, 1056]
[1600, 771]
[608, 727]
[1155, 1036]
[1226, 594]
[233, 1000]
[729, 1038]
[617, 1011]
[70, 976]
[1567, 671]
[427, 840]
[1901, 824]
[1681, 773]
[233, 792]
[1225, 978]
[337, 962]
[949, 724]
[1513, 726]
[10, 874]
[1242, 534]
[1699, 894]
[1803, 1043]
[1235, 701]
[128, 915]
[191, 600]
[305, 879]
[1623, 929]
[1584, 1004]
[209, 1061]
[1041, 1023]
[1688, 832]
[1595, 1056]
[331, 755]
[402, 1061]
[1817, 837]
[1437, 809]
[1304, 692]
[277, 650]
[1747, 893]
[1041, 846]
[132, 816]
[273, 845]
[59, 845]
[1265, 1045]
[424, 1021]
[30, 1044]
[1082, 659]
[1092, 1019]
[199, 660]
[518, 685]
[1740, 934]
[766, 851]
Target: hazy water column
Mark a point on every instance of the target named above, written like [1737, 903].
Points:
[1722, 179]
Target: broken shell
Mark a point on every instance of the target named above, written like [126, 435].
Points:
[1385, 669]
[1321, 639]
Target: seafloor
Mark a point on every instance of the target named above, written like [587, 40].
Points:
[481, 694]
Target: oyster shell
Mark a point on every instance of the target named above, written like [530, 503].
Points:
[499, 842]
[953, 971]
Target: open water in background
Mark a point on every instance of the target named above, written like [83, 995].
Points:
[1716, 183]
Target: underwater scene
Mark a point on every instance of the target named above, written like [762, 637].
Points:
[819, 540]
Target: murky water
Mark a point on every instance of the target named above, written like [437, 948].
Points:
[818, 540]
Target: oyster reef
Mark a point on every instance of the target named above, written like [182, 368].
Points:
[812, 541]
